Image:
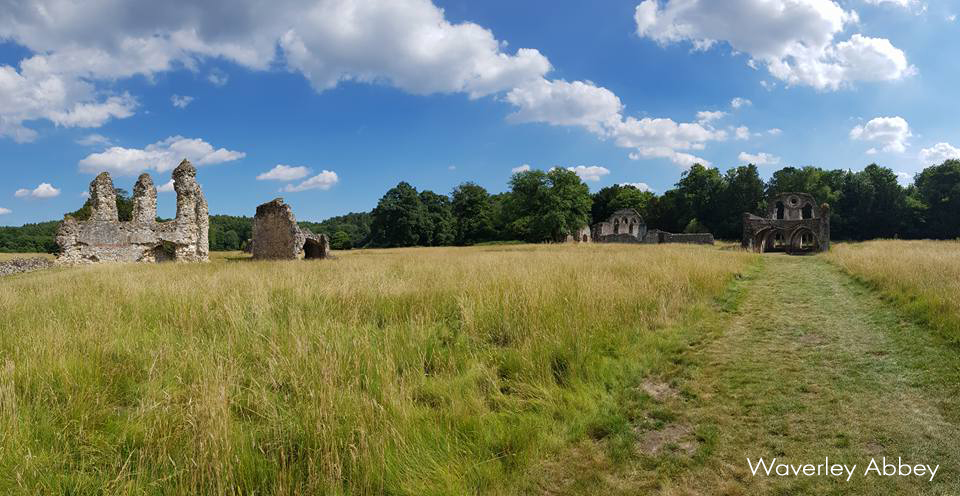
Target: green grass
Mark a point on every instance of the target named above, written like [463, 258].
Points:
[486, 370]
[813, 364]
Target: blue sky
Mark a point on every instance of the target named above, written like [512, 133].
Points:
[353, 96]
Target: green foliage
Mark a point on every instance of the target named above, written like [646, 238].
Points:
[228, 232]
[938, 188]
[355, 224]
[473, 213]
[124, 207]
[440, 228]
[399, 219]
[612, 198]
[547, 206]
[29, 238]
[341, 241]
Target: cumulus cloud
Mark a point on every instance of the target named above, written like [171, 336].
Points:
[589, 173]
[561, 103]
[775, 131]
[640, 186]
[898, 3]
[160, 156]
[44, 190]
[707, 116]
[181, 101]
[889, 133]
[794, 39]
[742, 133]
[324, 181]
[738, 102]
[759, 158]
[166, 187]
[284, 173]
[522, 168]
[5, 211]
[939, 153]
[904, 178]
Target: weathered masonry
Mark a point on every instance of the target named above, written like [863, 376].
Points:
[104, 238]
[627, 226]
[793, 224]
[276, 235]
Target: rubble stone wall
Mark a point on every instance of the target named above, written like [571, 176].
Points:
[104, 238]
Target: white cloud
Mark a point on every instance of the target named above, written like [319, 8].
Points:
[325, 180]
[218, 77]
[166, 187]
[775, 131]
[451, 167]
[522, 168]
[740, 102]
[5, 211]
[284, 173]
[951, 18]
[561, 103]
[899, 3]
[794, 39]
[680, 158]
[44, 190]
[181, 101]
[904, 178]
[160, 156]
[705, 117]
[759, 158]
[94, 140]
[86, 194]
[742, 133]
[890, 133]
[589, 173]
[939, 153]
[640, 186]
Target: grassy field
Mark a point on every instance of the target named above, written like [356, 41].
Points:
[487, 370]
[7, 256]
[920, 277]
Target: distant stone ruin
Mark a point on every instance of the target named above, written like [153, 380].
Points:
[276, 235]
[627, 226]
[104, 238]
[793, 224]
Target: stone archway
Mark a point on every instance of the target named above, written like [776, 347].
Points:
[770, 240]
[802, 241]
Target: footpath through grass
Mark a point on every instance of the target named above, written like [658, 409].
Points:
[814, 365]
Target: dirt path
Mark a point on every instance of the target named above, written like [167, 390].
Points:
[815, 366]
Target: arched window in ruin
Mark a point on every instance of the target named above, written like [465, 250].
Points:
[633, 227]
[808, 211]
[780, 210]
[585, 238]
[616, 226]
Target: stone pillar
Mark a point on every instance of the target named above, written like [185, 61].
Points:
[144, 200]
[185, 184]
[103, 199]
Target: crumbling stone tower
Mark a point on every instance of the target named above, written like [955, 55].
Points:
[103, 238]
[276, 235]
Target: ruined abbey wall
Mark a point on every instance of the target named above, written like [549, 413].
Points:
[104, 238]
[276, 235]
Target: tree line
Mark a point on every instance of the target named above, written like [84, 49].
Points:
[545, 206]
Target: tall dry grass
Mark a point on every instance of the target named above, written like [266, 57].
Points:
[416, 371]
[922, 277]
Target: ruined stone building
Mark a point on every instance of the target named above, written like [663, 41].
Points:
[793, 224]
[104, 238]
[627, 226]
[276, 235]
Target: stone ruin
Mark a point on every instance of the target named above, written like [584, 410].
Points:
[104, 238]
[276, 235]
[627, 226]
[793, 224]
